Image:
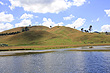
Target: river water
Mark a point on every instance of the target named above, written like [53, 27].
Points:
[61, 61]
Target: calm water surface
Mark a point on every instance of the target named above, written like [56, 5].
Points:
[57, 62]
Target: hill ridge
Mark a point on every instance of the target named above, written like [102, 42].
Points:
[59, 35]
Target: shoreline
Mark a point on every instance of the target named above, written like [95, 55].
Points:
[15, 48]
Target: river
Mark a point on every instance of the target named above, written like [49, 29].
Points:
[60, 61]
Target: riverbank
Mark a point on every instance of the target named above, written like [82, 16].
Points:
[14, 48]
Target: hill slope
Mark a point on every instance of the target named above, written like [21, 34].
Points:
[59, 35]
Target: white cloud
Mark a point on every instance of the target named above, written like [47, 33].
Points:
[59, 24]
[48, 22]
[78, 2]
[14, 3]
[92, 21]
[1, 3]
[23, 23]
[36, 24]
[89, 2]
[107, 12]
[69, 17]
[98, 19]
[5, 26]
[78, 23]
[6, 17]
[41, 6]
[105, 28]
[45, 6]
[36, 16]
[26, 16]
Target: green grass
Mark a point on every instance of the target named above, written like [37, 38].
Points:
[41, 36]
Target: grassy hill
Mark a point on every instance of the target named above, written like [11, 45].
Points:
[59, 35]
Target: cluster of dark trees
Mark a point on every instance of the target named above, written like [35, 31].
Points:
[2, 45]
[90, 29]
[25, 29]
[11, 33]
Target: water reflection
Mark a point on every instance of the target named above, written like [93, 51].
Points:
[57, 62]
[94, 62]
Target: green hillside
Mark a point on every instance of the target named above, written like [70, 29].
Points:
[59, 35]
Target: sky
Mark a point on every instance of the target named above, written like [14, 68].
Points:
[69, 13]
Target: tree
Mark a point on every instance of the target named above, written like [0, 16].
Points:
[82, 29]
[106, 33]
[86, 31]
[26, 29]
[23, 30]
[90, 28]
[50, 26]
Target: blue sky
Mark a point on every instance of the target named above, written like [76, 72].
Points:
[69, 13]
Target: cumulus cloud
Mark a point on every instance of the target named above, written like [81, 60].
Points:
[68, 17]
[78, 2]
[105, 28]
[6, 17]
[1, 3]
[41, 6]
[23, 23]
[78, 23]
[48, 22]
[5, 26]
[45, 6]
[107, 12]
[26, 16]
